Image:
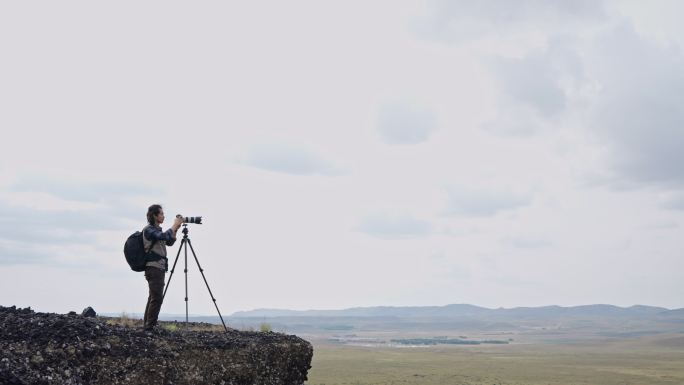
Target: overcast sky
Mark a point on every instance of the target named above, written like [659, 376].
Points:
[342, 154]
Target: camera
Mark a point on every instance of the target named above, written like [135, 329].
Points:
[195, 220]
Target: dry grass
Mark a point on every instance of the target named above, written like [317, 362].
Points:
[125, 321]
[192, 326]
[636, 362]
[172, 326]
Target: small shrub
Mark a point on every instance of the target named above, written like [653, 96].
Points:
[170, 327]
[126, 321]
[265, 327]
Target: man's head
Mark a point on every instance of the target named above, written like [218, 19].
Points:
[155, 215]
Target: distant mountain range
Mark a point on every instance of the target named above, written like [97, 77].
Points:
[465, 310]
[554, 322]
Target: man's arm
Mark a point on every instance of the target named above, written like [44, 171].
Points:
[154, 234]
[168, 236]
[177, 222]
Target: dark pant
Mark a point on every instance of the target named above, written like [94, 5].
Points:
[155, 279]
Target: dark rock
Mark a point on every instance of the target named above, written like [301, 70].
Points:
[46, 348]
[89, 312]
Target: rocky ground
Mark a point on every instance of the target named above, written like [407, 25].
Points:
[47, 348]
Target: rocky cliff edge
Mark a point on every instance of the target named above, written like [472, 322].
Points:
[47, 348]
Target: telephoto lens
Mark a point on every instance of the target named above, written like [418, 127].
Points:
[195, 220]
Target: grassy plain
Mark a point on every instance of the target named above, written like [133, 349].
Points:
[650, 360]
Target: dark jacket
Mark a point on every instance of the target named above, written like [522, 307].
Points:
[163, 238]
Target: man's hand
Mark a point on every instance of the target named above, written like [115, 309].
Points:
[177, 223]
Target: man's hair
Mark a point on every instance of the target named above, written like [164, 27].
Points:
[152, 212]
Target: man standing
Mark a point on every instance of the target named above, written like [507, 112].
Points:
[155, 241]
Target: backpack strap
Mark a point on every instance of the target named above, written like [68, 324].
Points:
[153, 242]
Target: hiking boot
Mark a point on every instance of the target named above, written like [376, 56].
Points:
[156, 329]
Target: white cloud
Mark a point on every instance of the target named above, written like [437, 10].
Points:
[527, 242]
[402, 123]
[394, 226]
[289, 159]
[83, 191]
[673, 201]
[468, 20]
[33, 233]
[538, 90]
[622, 86]
[463, 201]
[636, 110]
[532, 81]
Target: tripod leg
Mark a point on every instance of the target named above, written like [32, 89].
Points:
[187, 241]
[206, 283]
[172, 269]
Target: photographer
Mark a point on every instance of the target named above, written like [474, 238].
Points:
[155, 241]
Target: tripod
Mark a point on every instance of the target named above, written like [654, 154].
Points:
[186, 242]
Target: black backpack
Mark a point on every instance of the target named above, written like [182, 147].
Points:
[134, 250]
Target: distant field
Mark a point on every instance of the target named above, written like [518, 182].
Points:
[651, 360]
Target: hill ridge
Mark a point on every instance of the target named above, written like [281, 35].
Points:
[456, 310]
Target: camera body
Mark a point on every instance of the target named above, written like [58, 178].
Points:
[195, 220]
